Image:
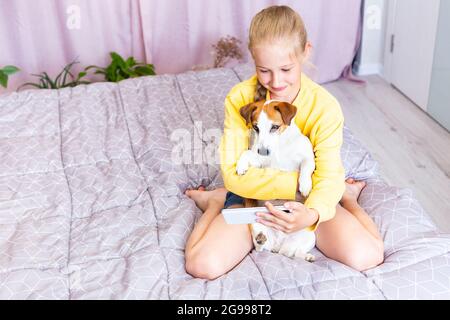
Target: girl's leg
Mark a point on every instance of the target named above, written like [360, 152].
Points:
[350, 202]
[210, 202]
[351, 237]
[214, 246]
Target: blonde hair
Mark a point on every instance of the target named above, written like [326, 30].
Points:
[277, 24]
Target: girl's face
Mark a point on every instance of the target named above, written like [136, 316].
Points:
[278, 70]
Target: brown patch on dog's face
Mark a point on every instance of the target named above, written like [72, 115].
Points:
[261, 238]
[274, 114]
[251, 112]
[281, 113]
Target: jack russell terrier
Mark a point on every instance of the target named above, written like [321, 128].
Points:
[277, 144]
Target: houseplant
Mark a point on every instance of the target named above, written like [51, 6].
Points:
[64, 79]
[5, 72]
[120, 69]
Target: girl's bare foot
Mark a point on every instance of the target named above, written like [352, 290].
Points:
[352, 191]
[205, 198]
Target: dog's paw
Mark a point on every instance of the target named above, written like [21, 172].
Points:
[242, 167]
[309, 257]
[305, 186]
[304, 256]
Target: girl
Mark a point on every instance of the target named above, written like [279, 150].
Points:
[279, 47]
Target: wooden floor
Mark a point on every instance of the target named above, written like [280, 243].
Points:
[413, 150]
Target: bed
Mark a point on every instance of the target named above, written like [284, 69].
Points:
[92, 204]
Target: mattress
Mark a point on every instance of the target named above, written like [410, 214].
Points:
[92, 202]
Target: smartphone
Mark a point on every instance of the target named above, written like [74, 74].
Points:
[246, 215]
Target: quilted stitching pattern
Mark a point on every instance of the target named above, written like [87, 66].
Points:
[92, 204]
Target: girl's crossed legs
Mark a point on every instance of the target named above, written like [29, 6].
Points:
[215, 247]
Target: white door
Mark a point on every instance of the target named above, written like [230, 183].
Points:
[414, 35]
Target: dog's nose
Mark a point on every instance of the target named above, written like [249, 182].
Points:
[263, 151]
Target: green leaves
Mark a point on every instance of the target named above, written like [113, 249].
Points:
[5, 72]
[9, 70]
[64, 79]
[120, 69]
[3, 79]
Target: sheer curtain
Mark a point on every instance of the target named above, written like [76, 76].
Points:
[174, 35]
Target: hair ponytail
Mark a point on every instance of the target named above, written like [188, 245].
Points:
[261, 92]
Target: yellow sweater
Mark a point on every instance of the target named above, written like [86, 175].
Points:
[319, 117]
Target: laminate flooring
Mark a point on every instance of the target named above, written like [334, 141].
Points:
[413, 150]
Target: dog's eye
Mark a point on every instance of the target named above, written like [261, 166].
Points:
[274, 128]
[255, 127]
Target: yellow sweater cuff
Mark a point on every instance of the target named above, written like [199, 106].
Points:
[325, 213]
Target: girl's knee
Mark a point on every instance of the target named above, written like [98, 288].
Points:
[366, 258]
[204, 266]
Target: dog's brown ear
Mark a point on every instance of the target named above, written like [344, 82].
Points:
[247, 112]
[287, 111]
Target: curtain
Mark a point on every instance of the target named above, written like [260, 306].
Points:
[174, 35]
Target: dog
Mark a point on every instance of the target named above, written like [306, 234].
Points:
[278, 144]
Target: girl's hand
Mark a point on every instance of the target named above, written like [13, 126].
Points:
[299, 218]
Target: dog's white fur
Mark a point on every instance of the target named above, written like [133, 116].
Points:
[289, 150]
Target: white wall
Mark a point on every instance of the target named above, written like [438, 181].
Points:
[370, 59]
[439, 101]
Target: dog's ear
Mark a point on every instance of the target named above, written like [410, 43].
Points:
[287, 111]
[247, 112]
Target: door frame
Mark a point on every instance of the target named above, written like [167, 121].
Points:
[390, 27]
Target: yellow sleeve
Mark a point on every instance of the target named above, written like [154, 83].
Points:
[256, 183]
[329, 177]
